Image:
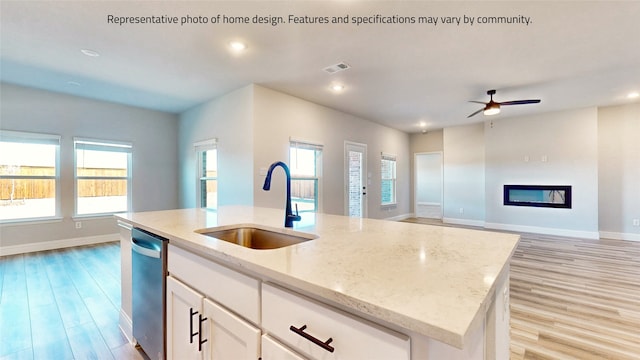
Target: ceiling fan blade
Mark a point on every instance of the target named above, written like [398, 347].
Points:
[519, 102]
[478, 102]
[475, 113]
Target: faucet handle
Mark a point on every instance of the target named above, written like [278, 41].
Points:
[295, 217]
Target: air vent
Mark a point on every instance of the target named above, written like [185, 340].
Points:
[336, 68]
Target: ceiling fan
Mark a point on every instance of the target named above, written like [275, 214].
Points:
[493, 107]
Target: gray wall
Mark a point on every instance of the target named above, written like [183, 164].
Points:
[153, 134]
[619, 170]
[464, 174]
[596, 150]
[229, 119]
[278, 117]
[253, 126]
[559, 148]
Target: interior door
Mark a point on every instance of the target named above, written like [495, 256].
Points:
[355, 175]
[428, 188]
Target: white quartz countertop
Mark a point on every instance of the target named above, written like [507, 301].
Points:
[433, 280]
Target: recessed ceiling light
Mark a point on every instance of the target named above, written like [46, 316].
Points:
[422, 124]
[90, 52]
[337, 87]
[633, 95]
[73, 83]
[237, 46]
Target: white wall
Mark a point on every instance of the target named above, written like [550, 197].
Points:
[619, 171]
[153, 134]
[278, 116]
[229, 119]
[464, 174]
[562, 149]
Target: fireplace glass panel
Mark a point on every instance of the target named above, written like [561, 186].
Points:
[555, 196]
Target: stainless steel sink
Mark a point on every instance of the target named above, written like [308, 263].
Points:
[255, 238]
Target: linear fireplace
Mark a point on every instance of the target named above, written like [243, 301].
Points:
[553, 196]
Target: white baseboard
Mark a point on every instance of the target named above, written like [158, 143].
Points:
[57, 244]
[126, 327]
[467, 222]
[546, 231]
[400, 217]
[619, 236]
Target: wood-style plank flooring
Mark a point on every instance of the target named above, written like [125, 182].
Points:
[573, 298]
[570, 299]
[62, 304]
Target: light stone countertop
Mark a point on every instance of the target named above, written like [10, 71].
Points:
[433, 280]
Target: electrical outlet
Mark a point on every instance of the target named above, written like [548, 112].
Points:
[78, 225]
[461, 210]
[636, 222]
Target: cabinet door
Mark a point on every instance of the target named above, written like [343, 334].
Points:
[272, 350]
[184, 309]
[228, 336]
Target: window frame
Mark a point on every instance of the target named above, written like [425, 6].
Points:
[36, 138]
[394, 179]
[200, 148]
[102, 145]
[318, 149]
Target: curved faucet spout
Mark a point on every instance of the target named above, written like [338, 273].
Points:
[289, 217]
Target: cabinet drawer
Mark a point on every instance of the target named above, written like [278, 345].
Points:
[351, 337]
[238, 292]
[272, 350]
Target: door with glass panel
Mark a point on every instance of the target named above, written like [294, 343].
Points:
[355, 175]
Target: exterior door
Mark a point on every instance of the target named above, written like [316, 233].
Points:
[355, 175]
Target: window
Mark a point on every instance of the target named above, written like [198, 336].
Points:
[207, 153]
[305, 161]
[388, 181]
[102, 176]
[29, 173]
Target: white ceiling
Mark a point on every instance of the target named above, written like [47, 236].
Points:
[573, 54]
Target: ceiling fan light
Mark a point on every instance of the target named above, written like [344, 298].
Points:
[492, 110]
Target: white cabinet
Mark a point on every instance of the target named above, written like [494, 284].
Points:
[273, 350]
[227, 312]
[198, 328]
[184, 311]
[229, 337]
[318, 331]
[126, 304]
[235, 291]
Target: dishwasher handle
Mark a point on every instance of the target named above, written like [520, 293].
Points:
[145, 248]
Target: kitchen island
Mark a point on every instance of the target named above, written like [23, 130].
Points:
[444, 289]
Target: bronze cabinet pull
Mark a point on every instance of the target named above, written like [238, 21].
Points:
[325, 345]
[199, 332]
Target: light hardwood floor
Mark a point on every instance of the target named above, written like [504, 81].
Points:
[570, 299]
[62, 304]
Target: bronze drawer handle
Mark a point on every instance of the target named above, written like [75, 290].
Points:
[199, 332]
[325, 345]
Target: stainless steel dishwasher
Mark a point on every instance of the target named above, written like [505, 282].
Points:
[149, 271]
